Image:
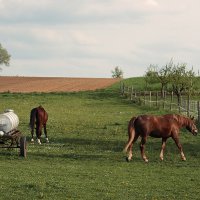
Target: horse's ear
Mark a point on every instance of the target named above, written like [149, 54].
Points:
[192, 118]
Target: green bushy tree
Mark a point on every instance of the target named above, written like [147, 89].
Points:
[4, 56]
[117, 73]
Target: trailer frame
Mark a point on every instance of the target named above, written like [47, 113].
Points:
[14, 139]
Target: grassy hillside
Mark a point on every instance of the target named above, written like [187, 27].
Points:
[139, 84]
[84, 159]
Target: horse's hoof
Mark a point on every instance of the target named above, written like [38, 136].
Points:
[161, 159]
[32, 140]
[38, 141]
[127, 159]
[146, 160]
[184, 159]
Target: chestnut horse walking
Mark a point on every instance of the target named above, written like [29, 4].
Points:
[39, 118]
[164, 126]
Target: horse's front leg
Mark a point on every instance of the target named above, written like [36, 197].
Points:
[178, 144]
[142, 148]
[163, 148]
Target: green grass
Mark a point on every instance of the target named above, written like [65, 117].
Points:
[84, 159]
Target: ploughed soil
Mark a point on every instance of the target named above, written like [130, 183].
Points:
[52, 84]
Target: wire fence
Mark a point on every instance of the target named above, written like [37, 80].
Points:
[165, 100]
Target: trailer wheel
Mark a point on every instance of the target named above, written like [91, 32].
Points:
[23, 146]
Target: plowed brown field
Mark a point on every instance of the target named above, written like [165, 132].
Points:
[52, 84]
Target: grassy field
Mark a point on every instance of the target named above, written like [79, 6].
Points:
[84, 159]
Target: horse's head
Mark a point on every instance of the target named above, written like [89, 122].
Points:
[191, 126]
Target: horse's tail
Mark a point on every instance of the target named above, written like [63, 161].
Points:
[32, 118]
[131, 133]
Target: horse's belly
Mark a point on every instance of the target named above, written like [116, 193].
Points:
[156, 134]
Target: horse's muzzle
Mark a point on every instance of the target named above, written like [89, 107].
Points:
[195, 132]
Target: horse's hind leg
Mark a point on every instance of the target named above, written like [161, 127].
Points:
[38, 133]
[45, 132]
[142, 148]
[130, 152]
[32, 133]
[163, 148]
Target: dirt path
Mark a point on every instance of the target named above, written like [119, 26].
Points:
[51, 84]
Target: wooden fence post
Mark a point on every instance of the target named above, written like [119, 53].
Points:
[156, 99]
[150, 98]
[131, 93]
[164, 98]
[188, 105]
[123, 89]
[171, 102]
[127, 91]
[180, 104]
[198, 110]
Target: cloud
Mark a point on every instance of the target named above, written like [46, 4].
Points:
[88, 11]
[151, 3]
[95, 36]
[83, 38]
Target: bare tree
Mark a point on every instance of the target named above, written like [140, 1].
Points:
[182, 80]
[162, 75]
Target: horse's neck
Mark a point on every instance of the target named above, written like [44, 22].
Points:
[183, 122]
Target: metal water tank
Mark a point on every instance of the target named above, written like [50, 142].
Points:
[8, 122]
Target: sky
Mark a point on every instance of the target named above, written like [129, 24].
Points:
[89, 38]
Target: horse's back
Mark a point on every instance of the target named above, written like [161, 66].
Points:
[42, 114]
[39, 115]
[155, 126]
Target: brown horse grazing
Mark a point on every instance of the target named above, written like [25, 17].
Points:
[160, 127]
[39, 118]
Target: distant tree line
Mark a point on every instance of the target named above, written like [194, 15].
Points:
[173, 77]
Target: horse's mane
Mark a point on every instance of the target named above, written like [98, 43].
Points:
[181, 120]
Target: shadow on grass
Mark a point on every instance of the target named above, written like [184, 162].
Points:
[99, 149]
[96, 150]
[153, 144]
[93, 144]
[80, 157]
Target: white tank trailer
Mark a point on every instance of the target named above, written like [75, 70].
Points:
[9, 121]
[10, 136]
